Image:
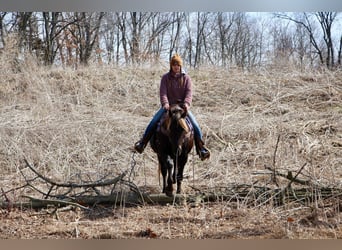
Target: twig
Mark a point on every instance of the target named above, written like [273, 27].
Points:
[7, 199]
[292, 179]
[275, 151]
[274, 179]
[218, 137]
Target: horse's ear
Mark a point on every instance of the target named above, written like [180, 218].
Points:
[184, 114]
[166, 121]
[185, 110]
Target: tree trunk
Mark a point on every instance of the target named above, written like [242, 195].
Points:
[340, 53]
[243, 193]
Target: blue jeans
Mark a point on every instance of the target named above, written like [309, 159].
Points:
[153, 123]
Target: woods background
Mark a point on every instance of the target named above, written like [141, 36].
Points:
[239, 39]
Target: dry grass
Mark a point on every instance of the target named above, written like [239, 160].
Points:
[81, 124]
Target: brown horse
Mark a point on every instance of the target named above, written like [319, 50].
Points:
[172, 141]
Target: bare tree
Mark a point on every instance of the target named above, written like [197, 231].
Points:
[136, 20]
[2, 30]
[110, 34]
[326, 20]
[202, 19]
[175, 32]
[139, 23]
[61, 31]
[224, 32]
[188, 40]
[88, 26]
[282, 39]
[240, 40]
[339, 53]
[50, 29]
[23, 27]
[155, 34]
[122, 19]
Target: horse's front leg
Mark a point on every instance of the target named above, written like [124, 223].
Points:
[166, 169]
[175, 171]
[164, 184]
[181, 163]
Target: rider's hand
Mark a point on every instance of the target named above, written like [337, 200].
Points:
[166, 106]
[185, 106]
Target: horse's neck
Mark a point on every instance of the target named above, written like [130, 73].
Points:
[174, 127]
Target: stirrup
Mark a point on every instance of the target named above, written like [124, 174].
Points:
[204, 154]
[139, 147]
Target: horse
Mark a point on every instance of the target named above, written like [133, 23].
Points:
[172, 142]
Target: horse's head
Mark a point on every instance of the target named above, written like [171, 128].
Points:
[177, 111]
[175, 116]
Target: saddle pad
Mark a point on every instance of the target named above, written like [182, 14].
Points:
[187, 120]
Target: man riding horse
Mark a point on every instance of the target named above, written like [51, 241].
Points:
[175, 87]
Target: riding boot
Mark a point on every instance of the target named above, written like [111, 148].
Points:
[140, 145]
[201, 150]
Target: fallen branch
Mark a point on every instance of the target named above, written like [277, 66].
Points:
[289, 176]
[247, 194]
[77, 185]
[39, 203]
[294, 179]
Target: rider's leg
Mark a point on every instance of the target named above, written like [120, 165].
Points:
[201, 150]
[141, 144]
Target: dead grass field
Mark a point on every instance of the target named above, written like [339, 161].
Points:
[76, 125]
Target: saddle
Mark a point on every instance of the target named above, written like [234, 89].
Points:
[164, 127]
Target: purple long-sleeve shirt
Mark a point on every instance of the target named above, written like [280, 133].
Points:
[172, 91]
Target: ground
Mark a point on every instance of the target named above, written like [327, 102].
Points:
[80, 126]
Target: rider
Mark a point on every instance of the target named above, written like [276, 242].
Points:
[175, 85]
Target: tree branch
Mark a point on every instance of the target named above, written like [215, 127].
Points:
[76, 185]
